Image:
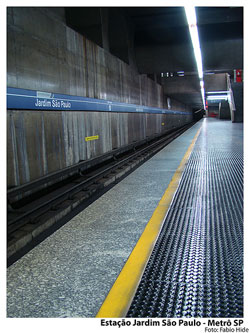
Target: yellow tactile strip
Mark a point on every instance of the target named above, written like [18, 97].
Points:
[123, 290]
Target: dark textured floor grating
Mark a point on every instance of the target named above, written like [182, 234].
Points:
[196, 268]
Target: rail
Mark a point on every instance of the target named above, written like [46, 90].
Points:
[19, 217]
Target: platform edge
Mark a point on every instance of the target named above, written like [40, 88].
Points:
[121, 294]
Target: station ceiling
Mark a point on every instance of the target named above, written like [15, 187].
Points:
[163, 46]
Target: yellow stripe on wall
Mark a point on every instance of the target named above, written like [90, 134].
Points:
[90, 138]
[121, 294]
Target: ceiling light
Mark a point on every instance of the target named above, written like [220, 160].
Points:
[180, 73]
[192, 24]
[217, 97]
[217, 92]
[202, 93]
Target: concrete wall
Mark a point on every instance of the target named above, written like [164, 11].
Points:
[46, 55]
[215, 82]
[181, 88]
[224, 110]
[41, 142]
[237, 88]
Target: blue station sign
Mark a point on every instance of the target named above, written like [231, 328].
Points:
[25, 99]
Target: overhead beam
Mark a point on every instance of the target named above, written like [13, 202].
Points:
[217, 55]
[164, 58]
[185, 89]
[222, 54]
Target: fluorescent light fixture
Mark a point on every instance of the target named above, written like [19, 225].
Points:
[192, 24]
[217, 92]
[180, 73]
[203, 93]
[217, 97]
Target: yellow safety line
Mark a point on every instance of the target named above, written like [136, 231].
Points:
[121, 294]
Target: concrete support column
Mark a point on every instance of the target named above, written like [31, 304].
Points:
[104, 13]
[237, 88]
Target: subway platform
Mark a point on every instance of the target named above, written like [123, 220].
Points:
[167, 241]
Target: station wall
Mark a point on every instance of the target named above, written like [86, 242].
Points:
[41, 142]
[44, 54]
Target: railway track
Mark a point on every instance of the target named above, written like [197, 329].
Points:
[47, 203]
